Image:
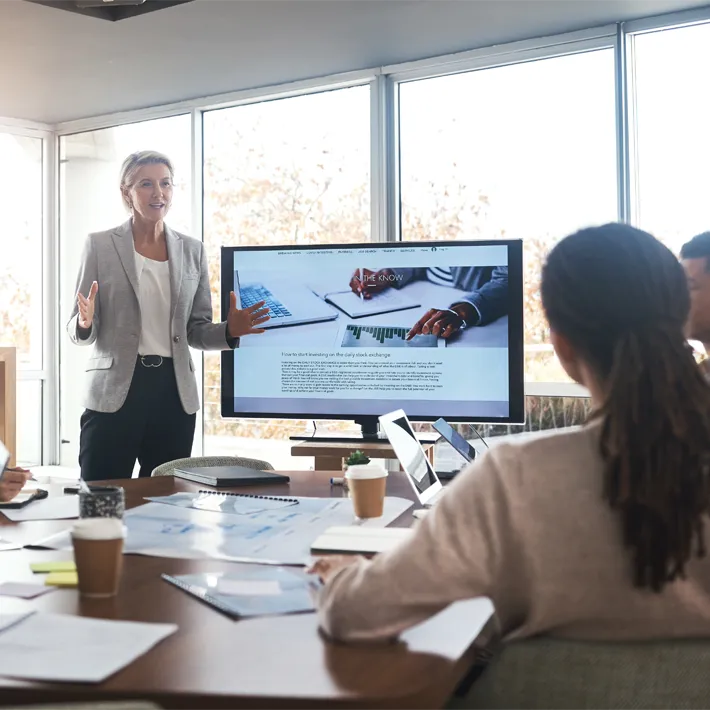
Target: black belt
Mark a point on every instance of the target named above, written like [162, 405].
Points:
[154, 360]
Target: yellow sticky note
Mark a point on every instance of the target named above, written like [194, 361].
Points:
[68, 566]
[62, 579]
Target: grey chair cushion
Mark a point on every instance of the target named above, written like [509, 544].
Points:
[168, 468]
[555, 673]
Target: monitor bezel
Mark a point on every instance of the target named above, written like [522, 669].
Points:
[516, 383]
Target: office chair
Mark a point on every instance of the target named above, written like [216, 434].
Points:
[556, 673]
[168, 468]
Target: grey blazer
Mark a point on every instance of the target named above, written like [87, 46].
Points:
[109, 259]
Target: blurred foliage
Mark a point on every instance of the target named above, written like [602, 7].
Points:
[261, 188]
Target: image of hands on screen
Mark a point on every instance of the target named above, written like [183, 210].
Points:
[368, 327]
[485, 299]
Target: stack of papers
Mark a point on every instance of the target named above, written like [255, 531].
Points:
[72, 649]
[360, 541]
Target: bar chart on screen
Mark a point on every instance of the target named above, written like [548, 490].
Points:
[352, 335]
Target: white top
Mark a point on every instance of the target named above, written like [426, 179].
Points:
[154, 289]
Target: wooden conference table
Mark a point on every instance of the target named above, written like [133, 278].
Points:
[215, 662]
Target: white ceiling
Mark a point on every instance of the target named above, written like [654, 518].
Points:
[57, 66]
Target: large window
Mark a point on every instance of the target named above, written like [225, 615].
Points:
[288, 171]
[672, 131]
[21, 267]
[22, 272]
[90, 201]
[521, 151]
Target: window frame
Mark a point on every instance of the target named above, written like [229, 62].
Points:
[492, 58]
[384, 83]
[45, 374]
[632, 31]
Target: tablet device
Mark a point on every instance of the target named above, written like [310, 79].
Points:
[455, 439]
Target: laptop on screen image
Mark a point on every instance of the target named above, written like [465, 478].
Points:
[287, 304]
[414, 461]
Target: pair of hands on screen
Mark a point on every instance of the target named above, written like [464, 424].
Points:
[444, 322]
[327, 567]
[11, 483]
[245, 321]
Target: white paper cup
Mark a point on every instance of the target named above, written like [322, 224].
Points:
[98, 553]
[367, 484]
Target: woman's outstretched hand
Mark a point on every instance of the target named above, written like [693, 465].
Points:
[86, 307]
[245, 321]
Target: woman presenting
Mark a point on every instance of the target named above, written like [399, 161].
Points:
[143, 298]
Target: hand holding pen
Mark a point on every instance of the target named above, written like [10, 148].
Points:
[366, 283]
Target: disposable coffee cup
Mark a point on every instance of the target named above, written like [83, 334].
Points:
[98, 554]
[367, 484]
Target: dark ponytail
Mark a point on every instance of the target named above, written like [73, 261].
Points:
[621, 299]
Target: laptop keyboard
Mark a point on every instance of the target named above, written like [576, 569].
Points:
[249, 295]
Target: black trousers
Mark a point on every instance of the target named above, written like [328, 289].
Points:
[151, 427]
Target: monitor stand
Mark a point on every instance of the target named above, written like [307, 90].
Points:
[369, 426]
[371, 434]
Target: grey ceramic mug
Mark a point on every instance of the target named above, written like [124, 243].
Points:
[102, 502]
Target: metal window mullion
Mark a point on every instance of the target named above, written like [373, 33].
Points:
[197, 197]
[623, 128]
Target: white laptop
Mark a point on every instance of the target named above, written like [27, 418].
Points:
[288, 304]
[422, 477]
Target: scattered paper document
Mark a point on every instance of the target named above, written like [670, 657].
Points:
[361, 541]
[52, 508]
[73, 649]
[8, 620]
[273, 537]
[248, 587]
[23, 591]
[8, 545]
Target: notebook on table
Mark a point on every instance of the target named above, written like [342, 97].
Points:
[385, 302]
[229, 476]
[358, 540]
[240, 503]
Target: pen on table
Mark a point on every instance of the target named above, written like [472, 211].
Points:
[362, 284]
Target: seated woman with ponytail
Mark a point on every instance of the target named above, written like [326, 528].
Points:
[594, 532]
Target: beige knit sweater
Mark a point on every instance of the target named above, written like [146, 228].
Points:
[525, 525]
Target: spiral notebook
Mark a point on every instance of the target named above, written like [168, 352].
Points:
[267, 591]
[239, 503]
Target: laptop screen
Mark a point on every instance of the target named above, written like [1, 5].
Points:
[410, 453]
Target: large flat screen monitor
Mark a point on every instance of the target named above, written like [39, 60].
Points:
[336, 346]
